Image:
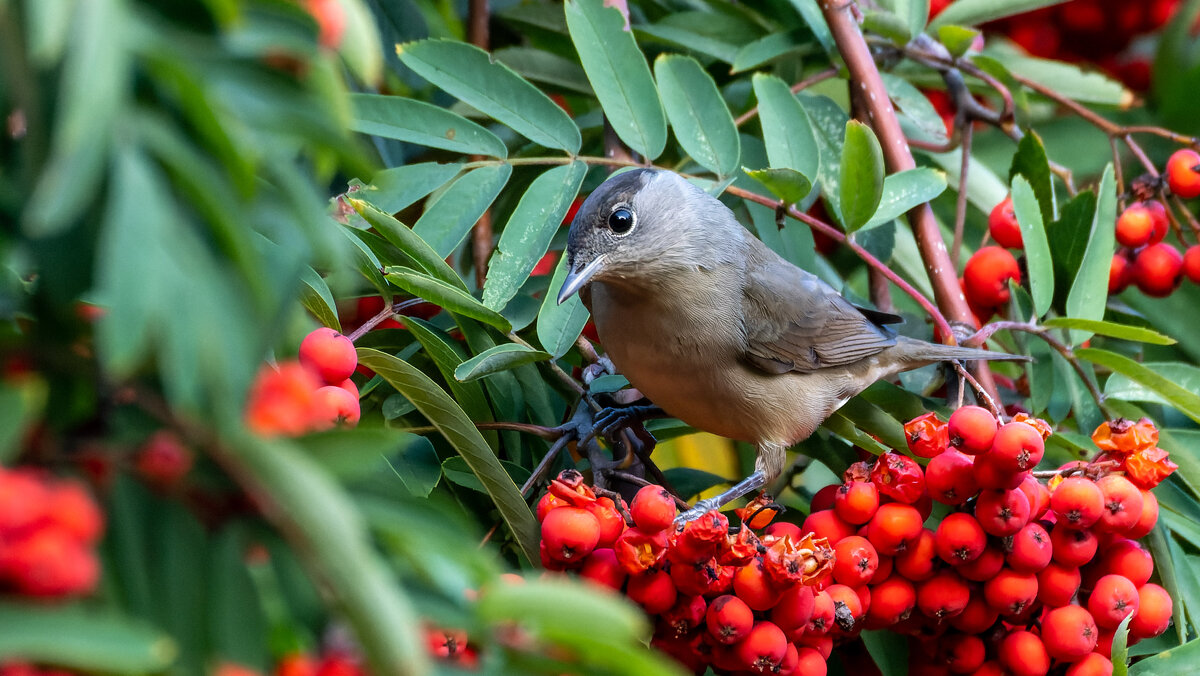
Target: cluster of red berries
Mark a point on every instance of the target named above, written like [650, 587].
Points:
[1144, 260]
[311, 394]
[26, 669]
[48, 532]
[1020, 574]
[332, 663]
[722, 598]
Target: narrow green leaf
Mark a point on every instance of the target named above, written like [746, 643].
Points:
[766, 49]
[1068, 238]
[787, 131]
[918, 118]
[702, 122]
[619, 75]
[828, 122]
[527, 234]
[444, 295]
[559, 325]
[1120, 647]
[1089, 86]
[318, 299]
[687, 39]
[408, 241]
[889, 650]
[474, 77]
[1111, 329]
[1179, 661]
[76, 638]
[1185, 401]
[1037, 249]
[422, 123]
[446, 222]
[499, 358]
[811, 13]
[788, 185]
[360, 47]
[458, 429]
[1089, 291]
[975, 12]
[905, 190]
[862, 170]
[329, 533]
[447, 354]
[887, 24]
[548, 68]
[957, 39]
[22, 402]
[394, 189]
[1031, 162]
[1184, 375]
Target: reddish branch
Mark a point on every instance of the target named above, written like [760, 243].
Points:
[898, 157]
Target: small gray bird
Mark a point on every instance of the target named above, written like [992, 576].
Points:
[717, 329]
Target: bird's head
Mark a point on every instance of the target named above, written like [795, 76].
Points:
[643, 224]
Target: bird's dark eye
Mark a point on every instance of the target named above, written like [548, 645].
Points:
[621, 220]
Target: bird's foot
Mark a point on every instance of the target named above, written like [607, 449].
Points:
[610, 421]
[754, 482]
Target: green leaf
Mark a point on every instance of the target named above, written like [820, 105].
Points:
[905, 190]
[862, 170]
[1037, 250]
[702, 122]
[1184, 375]
[409, 242]
[70, 636]
[1089, 291]
[1110, 329]
[360, 47]
[918, 118]
[828, 122]
[914, 12]
[318, 299]
[889, 650]
[787, 131]
[545, 67]
[1067, 80]
[447, 354]
[1185, 401]
[767, 49]
[685, 38]
[457, 470]
[422, 123]
[446, 222]
[957, 39]
[527, 234]
[1030, 161]
[357, 452]
[619, 75]
[811, 13]
[22, 402]
[559, 325]
[1120, 647]
[1068, 238]
[394, 189]
[458, 429]
[788, 185]
[975, 12]
[689, 481]
[887, 24]
[329, 534]
[500, 358]
[443, 295]
[474, 77]
[1179, 661]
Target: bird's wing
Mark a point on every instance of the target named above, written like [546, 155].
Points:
[796, 322]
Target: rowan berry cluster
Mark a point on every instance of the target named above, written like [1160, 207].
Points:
[310, 394]
[1020, 575]
[721, 597]
[48, 533]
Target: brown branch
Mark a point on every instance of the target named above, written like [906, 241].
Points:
[898, 157]
[960, 206]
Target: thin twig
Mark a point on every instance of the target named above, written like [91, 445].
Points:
[979, 390]
[960, 207]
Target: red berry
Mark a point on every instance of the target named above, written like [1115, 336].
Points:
[918, 559]
[1069, 633]
[652, 509]
[1072, 546]
[1057, 584]
[163, 460]
[856, 501]
[1029, 549]
[1093, 664]
[983, 568]
[1183, 173]
[752, 585]
[1120, 273]
[1154, 612]
[795, 608]
[1018, 447]
[653, 590]
[612, 524]
[1157, 269]
[827, 525]
[49, 561]
[763, 649]
[636, 549]
[986, 275]
[950, 478]
[1002, 513]
[894, 527]
[891, 601]
[729, 619]
[1077, 502]
[1122, 504]
[1191, 263]
[962, 653]
[602, 567]
[972, 429]
[821, 621]
[824, 498]
[809, 662]
[570, 534]
[943, 596]
[1010, 592]
[1113, 597]
[899, 477]
[281, 400]
[856, 561]
[1003, 226]
[331, 21]
[334, 407]
[330, 354]
[1127, 558]
[1022, 653]
[1135, 226]
[991, 473]
[977, 617]
[1038, 495]
[927, 435]
[1147, 520]
[959, 538]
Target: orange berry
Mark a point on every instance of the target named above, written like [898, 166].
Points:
[972, 429]
[1157, 269]
[281, 400]
[1022, 653]
[810, 662]
[752, 585]
[1122, 504]
[1135, 226]
[334, 407]
[856, 502]
[1077, 502]
[1128, 558]
[828, 525]
[1148, 518]
[1154, 612]
[1003, 226]
[892, 600]
[1093, 664]
[1183, 173]
[917, 560]
[1120, 273]
[986, 275]
[894, 527]
[1017, 447]
[1113, 597]
[822, 615]
[570, 534]
[1057, 584]
[331, 21]
[959, 538]
[652, 509]
[1010, 592]
[330, 354]
[728, 619]
[1069, 633]
[856, 561]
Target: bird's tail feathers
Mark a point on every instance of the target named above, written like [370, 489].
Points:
[923, 352]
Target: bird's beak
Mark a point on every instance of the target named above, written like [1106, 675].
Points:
[577, 278]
